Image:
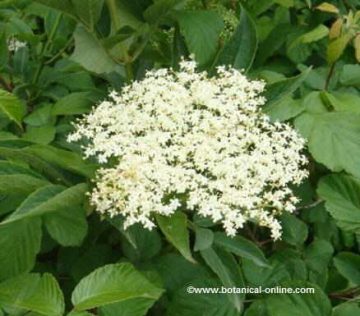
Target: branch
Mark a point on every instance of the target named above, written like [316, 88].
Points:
[7, 86]
[311, 205]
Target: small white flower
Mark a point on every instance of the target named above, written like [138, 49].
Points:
[14, 44]
[185, 136]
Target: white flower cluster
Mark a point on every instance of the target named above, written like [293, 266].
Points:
[14, 44]
[182, 139]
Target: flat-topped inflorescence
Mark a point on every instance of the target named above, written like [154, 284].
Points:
[182, 139]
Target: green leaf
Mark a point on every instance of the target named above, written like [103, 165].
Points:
[133, 307]
[13, 168]
[88, 11]
[40, 116]
[174, 228]
[241, 247]
[348, 264]
[291, 260]
[111, 284]
[80, 263]
[68, 226]
[62, 158]
[49, 199]
[327, 7]
[161, 10]
[122, 14]
[203, 221]
[285, 109]
[16, 183]
[356, 43]
[12, 107]
[333, 139]
[176, 271]
[257, 308]
[41, 135]
[280, 89]
[240, 51]
[285, 3]
[298, 49]
[337, 47]
[272, 43]
[201, 30]
[35, 162]
[20, 183]
[260, 6]
[295, 231]
[341, 194]
[317, 257]
[186, 303]
[33, 292]
[349, 75]
[204, 238]
[309, 304]
[63, 5]
[140, 243]
[228, 276]
[91, 55]
[273, 274]
[75, 103]
[314, 35]
[346, 309]
[75, 313]
[343, 102]
[19, 243]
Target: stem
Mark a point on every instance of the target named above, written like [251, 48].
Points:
[46, 46]
[213, 65]
[53, 31]
[347, 294]
[129, 72]
[58, 54]
[111, 4]
[311, 205]
[328, 78]
[265, 242]
[191, 225]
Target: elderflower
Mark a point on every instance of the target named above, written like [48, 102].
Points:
[14, 44]
[182, 139]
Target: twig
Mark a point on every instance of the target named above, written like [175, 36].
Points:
[264, 242]
[59, 53]
[311, 205]
[328, 78]
[129, 72]
[347, 294]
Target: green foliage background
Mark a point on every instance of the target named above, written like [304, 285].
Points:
[58, 257]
